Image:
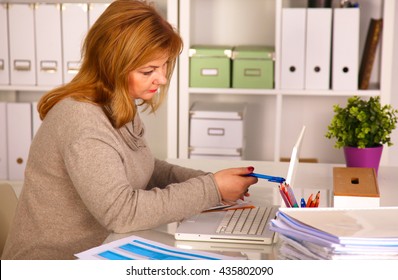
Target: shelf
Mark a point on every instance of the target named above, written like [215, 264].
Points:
[303, 93]
[53, 1]
[329, 93]
[232, 91]
[230, 22]
[25, 88]
[275, 116]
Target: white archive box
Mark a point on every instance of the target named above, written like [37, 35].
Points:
[318, 48]
[94, 12]
[22, 44]
[48, 44]
[4, 60]
[216, 129]
[74, 18]
[3, 142]
[293, 48]
[19, 138]
[345, 49]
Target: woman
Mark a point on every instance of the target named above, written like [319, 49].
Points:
[90, 171]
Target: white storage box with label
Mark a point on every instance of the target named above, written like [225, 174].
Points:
[216, 130]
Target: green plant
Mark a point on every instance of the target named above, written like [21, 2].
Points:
[362, 123]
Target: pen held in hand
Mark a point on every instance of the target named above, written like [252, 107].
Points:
[268, 177]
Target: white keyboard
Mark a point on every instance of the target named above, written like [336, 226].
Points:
[252, 221]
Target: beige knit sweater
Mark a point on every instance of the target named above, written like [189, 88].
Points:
[84, 179]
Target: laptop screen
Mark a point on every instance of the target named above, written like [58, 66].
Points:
[294, 159]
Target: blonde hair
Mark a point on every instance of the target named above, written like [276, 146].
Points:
[129, 34]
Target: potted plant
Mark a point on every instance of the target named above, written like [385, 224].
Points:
[362, 127]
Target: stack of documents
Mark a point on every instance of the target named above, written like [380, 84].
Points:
[331, 233]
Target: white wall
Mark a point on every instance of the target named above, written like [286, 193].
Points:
[393, 153]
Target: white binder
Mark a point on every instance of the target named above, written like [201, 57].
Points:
[36, 121]
[74, 29]
[3, 142]
[22, 44]
[19, 137]
[94, 11]
[4, 59]
[48, 44]
[293, 48]
[318, 48]
[345, 57]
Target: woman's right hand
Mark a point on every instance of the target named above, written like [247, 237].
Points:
[233, 183]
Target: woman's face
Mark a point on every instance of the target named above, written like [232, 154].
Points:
[144, 82]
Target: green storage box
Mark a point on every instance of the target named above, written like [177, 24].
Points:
[253, 67]
[210, 66]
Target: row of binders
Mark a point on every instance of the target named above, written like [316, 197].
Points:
[19, 122]
[320, 48]
[40, 43]
[337, 233]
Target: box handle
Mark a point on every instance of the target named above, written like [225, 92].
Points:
[73, 67]
[252, 72]
[214, 131]
[49, 66]
[209, 71]
[22, 65]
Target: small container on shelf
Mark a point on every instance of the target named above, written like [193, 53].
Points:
[216, 130]
[210, 66]
[253, 67]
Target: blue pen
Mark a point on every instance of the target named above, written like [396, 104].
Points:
[268, 177]
[302, 203]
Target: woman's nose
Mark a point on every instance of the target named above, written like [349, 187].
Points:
[161, 79]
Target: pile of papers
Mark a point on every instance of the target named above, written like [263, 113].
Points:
[332, 233]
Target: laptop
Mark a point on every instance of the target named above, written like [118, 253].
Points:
[251, 225]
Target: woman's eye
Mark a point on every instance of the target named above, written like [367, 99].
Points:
[147, 73]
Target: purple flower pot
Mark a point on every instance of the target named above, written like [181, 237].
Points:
[366, 157]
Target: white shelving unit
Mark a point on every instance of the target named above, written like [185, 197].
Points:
[274, 117]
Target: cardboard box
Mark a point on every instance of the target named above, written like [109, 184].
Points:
[217, 129]
[210, 66]
[355, 187]
[253, 67]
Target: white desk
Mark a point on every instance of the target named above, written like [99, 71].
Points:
[310, 178]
